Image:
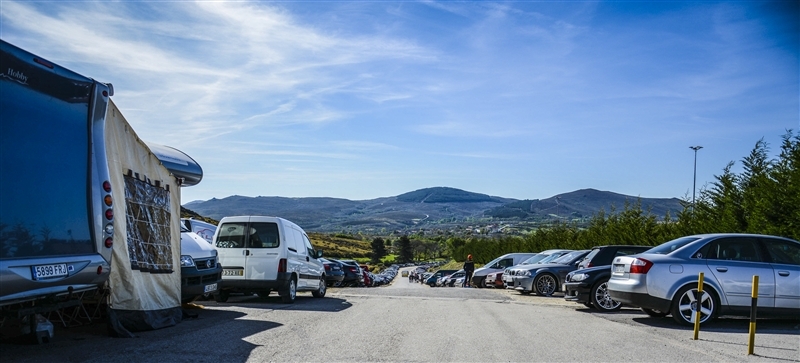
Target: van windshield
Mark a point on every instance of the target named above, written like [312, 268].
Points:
[44, 143]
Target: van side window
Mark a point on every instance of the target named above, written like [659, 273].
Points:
[264, 235]
[309, 247]
[231, 235]
[298, 242]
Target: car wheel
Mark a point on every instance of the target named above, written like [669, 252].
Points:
[481, 282]
[685, 302]
[263, 294]
[601, 300]
[654, 313]
[291, 292]
[545, 284]
[222, 296]
[320, 292]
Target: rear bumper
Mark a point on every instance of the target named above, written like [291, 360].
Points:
[281, 282]
[640, 300]
[194, 282]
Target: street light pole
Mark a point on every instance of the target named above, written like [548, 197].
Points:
[694, 185]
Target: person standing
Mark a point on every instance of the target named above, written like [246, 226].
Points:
[469, 268]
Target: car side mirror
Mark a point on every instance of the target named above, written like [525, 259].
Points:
[319, 254]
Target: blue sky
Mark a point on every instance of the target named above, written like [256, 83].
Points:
[368, 99]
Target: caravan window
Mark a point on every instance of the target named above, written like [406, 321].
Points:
[45, 167]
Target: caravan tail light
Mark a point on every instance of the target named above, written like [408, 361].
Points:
[109, 242]
[282, 265]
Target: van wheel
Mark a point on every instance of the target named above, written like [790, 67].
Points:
[222, 296]
[322, 288]
[291, 292]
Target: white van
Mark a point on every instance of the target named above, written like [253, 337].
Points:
[261, 254]
[200, 270]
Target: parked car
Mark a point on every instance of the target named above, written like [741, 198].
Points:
[494, 279]
[334, 272]
[450, 280]
[431, 280]
[589, 286]
[545, 279]
[540, 258]
[261, 254]
[496, 265]
[354, 276]
[201, 274]
[663, 280]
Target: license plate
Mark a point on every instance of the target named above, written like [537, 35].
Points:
[210, 288]
[237, 272]
[49, 271]
[619, 268]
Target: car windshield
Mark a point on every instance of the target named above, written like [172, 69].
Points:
[534, 259]
[550, 258]
[569, 257]
[671, 246]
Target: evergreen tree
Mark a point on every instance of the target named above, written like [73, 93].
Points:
[378, 250]
[406, 252]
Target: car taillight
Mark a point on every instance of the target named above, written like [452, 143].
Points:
[640, 266]
[327, 267]
[282, 265]
[589, 264]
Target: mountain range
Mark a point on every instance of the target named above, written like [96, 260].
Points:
[438, 208]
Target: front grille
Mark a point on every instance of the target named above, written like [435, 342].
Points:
[202, 280]
[206, 264]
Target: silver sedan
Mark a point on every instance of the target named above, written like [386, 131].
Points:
[664, 280]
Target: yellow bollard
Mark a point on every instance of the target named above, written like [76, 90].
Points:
[753, 308]
[698, 304]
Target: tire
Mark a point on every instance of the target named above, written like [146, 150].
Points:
[601, 300]
[263, 294]
[222, 296]
[653, 313]
[320, 292]
[683, 306]
[290, 294]
[545, 284]
[481, 282]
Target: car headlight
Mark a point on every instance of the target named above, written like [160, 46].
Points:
[187, 261]
[579, 277]
[526, 273]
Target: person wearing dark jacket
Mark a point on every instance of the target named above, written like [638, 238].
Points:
[469, 268]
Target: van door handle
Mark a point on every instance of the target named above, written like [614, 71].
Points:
[722, 269]
[307, 259]
[247, 252]
[783, 273]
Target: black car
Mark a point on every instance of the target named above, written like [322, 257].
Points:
[334, 272]
[353, 277]
[589, 286]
